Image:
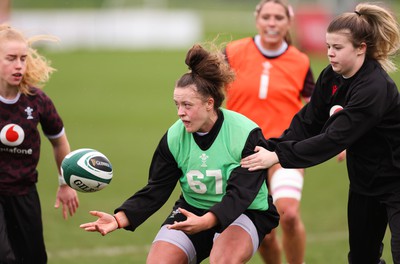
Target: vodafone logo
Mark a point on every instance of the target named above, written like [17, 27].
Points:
[12, 135]
[335, 109]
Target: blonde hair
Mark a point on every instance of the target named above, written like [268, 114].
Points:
[38, 69]
[375, 26]
[288, 10]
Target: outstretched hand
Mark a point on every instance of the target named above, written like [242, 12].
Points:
[194, 224]
[262, 159]
[105, 223]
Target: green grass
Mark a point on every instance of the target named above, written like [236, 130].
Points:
[121, 104]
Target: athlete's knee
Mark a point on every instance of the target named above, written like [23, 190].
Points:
[290, 217]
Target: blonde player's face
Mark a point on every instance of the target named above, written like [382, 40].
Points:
[13, 56]
[272, 24]
[195, 112]
[344, 58]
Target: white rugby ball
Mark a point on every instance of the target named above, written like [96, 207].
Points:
[86, 170]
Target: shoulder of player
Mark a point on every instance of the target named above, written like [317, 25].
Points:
[241, 42]
[372, 76]
[234, 117]
[36, 92]
[240, 46]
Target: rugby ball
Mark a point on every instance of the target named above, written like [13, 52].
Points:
[86, 170]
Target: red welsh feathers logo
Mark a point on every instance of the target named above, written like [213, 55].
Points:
[334, 89]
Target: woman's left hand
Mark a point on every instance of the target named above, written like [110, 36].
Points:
[262, 159]
[194, 224]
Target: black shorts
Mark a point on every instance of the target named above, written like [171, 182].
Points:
[264, 222]
[21, 229]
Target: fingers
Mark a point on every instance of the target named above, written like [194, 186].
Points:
[253, 157]
[254, 168]
[64, 212]
[96, 213]
[100, 230]
[183, 226]
[68, 207]
[258, 148]
[93, 227]
[184, 212]
[73, 206]
[57, 204]
[96, 226]
[245, 162]
[64, 209]
[68, 198]
[252, 165]
[88, 226]
[177, 226]
[249, 161]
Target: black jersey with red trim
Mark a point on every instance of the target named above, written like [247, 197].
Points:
[20, 138]
[242, 185]
[360, 114]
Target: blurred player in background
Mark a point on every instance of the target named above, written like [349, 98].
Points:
[273, 80]
[23, 106]
[224, 211]
[355, 106]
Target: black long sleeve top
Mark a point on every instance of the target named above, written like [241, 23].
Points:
[360, 114]
[242, 186]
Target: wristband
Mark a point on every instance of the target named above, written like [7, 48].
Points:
[116, 220]
[61, 181]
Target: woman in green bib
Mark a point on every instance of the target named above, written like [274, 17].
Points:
[222, 206]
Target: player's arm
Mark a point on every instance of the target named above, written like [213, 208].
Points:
[65, 195]
[308, 86]
[163, 177]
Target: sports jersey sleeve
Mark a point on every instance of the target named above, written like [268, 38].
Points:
[314, 136]
[242, 186]
[50, 121]
[309, 85]
[163, 177]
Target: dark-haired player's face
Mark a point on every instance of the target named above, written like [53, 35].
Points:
[273, 24]
[13, 56]
[195, 113]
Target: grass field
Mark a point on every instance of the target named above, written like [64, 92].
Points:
[121, 104]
